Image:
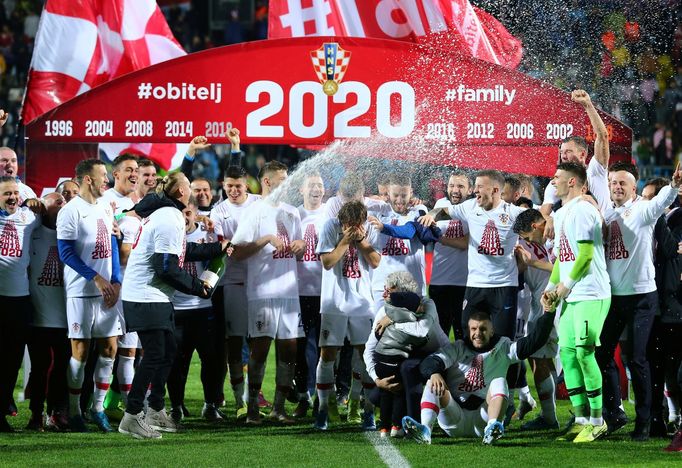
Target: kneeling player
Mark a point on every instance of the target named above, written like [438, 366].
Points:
[467, 390]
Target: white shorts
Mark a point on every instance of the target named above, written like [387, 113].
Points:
[87, 318]
[236, 309]
[275, 318]
[458, 422]
[129, 340]
[334, 329]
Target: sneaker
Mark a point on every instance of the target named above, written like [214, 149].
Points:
[253, 416]
[354, 415]
[115, 413]
[57, 422]
[509, 415]
[676, 444]
[616, 421]
[77, 424]
[242, 412]
[540, 424]
[159, 421]
[302, 408]
[210, 413]
[101, 420]
[36, 423]
[383, 433]
[333, 411]
[397, 432]
[571, 432]
[641, 432]
[368, 423]
[262, 402]
[416, 431]
[526, 407]
[280, 417]
[176, 414]
[590, 433]
[493, 432]
[321, 421]
[136, 426]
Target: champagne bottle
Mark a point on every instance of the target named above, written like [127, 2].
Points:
[216, 268]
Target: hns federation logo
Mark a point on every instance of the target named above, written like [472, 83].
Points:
[330, 63]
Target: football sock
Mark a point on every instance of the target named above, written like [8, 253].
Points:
[524, 394]
[546, 394]
[103, 369]
[356, 380]
[237, 382]
[325, 382]
[573, 377]
[284, 380]
[429, 407]
[125, 374]
[673, 407]
[74, 376]
[593, 379]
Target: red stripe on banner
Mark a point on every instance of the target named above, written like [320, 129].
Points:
[76, 9]
[75, 391]
[431, 406]
[324, 386]
[102, 385]
[125, 387]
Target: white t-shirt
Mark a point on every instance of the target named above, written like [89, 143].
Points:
[309, 266]
[114, 197]
[226, 216]
[535, 280]
[579, 220]
[47, 280]
[15, 242]
[347, 287]
[491, 243]
[182, 301]
[270, 275]
[163, 231]
[469, 372]
[597, 183]
[25, 192]
[449, 263]
[630, 251]
[91, 227]
[400, 254]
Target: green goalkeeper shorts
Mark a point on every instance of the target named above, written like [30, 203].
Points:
[581, 322]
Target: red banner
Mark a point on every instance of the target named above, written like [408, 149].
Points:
[451, 24]
[400, 99]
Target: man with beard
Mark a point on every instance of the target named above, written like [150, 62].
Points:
[449, 272]
[9, 166]
[16, 225]
[89, 249]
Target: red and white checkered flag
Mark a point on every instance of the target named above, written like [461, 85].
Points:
[82, 44]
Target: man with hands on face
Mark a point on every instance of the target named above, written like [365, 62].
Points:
[348, 252]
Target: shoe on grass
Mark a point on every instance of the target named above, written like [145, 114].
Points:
[540, 424]
[160, 421]
[136, 426]
[354, 416]
[417, 431]
[590, 433]
[493, 432]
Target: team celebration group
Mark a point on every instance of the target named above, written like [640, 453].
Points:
[114, 289]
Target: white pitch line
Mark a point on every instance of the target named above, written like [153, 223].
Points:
[388, 453]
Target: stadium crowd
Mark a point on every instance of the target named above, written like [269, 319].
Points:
[113, 288]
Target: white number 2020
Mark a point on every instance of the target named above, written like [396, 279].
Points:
[385, 125]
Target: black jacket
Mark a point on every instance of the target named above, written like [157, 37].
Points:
[668, 266]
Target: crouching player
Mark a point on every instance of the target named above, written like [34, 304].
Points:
[467, 389]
